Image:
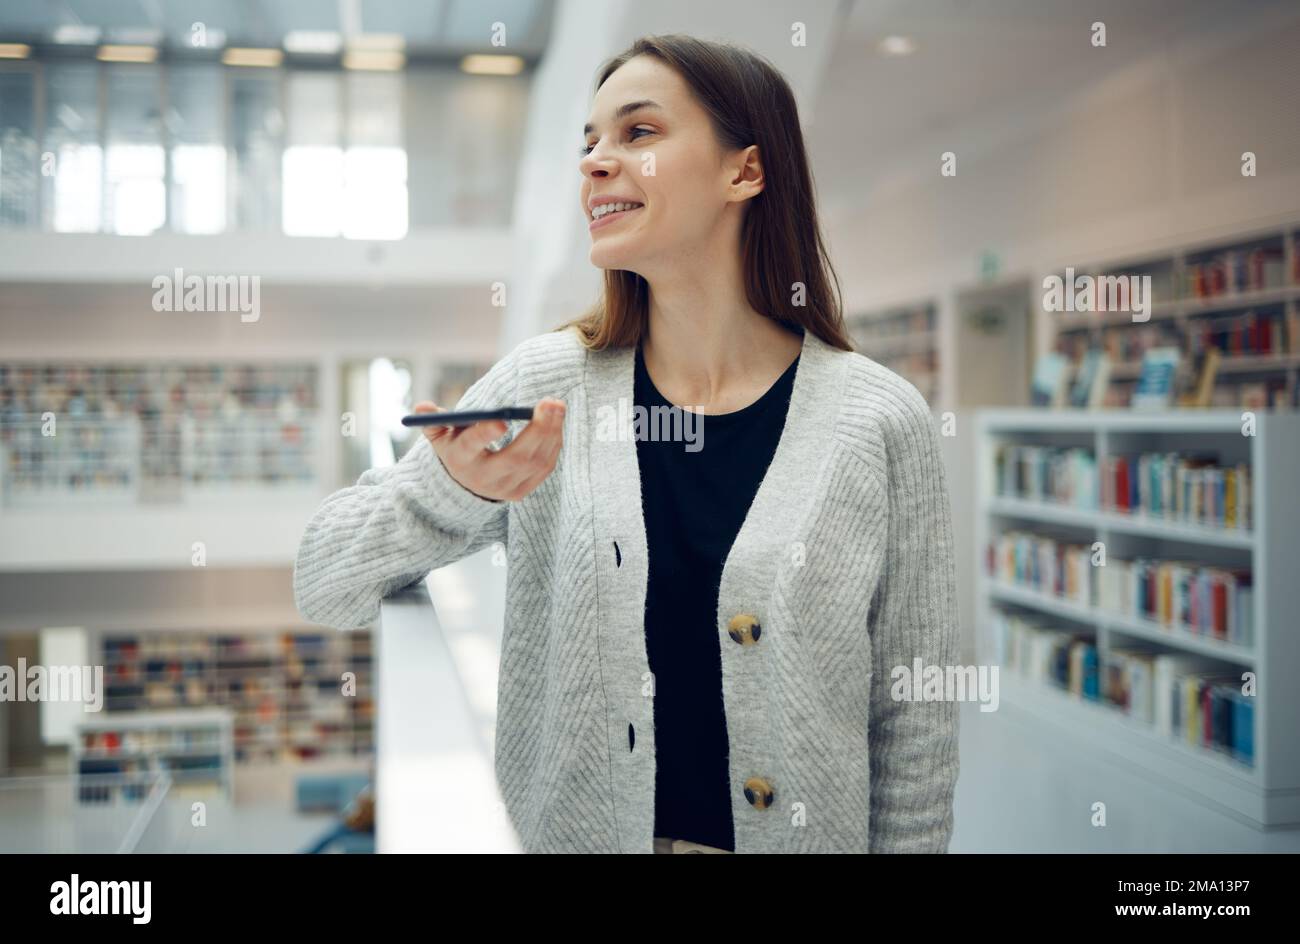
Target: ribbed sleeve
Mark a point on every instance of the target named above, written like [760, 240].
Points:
[913, 744]
[398, 523]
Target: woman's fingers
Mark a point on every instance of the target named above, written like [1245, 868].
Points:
[471, 440]
[431, 433]
[537, 447]
[511, 472]
[546, 427]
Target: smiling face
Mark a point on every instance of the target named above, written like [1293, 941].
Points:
[650, 145]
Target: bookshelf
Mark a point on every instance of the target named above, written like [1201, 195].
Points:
[154, 432]
[904, 338]
[284, 689]
[1238, 294]
[1017, 618]
[115, 757]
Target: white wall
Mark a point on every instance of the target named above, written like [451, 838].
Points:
[1151, 155]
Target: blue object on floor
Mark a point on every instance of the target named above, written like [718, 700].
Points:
[328, 793]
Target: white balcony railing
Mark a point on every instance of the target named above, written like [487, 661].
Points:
[435, 783]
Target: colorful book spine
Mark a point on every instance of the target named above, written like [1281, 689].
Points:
[1192, 489]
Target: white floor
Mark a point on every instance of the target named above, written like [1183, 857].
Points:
[1025, 786]
[38, 815]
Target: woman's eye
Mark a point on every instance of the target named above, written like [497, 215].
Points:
[633, 134]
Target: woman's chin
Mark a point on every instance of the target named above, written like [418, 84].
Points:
[607, 257]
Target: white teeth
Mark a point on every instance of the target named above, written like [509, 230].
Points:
[605, 208]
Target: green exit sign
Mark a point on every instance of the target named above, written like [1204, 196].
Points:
[990, 265]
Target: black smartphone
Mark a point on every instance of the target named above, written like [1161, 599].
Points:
[468, 417]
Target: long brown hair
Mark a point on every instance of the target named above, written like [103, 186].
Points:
[749, 102]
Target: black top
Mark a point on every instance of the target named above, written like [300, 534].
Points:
[695, 494]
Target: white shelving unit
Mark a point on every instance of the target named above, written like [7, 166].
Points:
[1266, 793]
[148, 742]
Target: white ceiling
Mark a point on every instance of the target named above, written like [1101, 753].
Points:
[979, 66]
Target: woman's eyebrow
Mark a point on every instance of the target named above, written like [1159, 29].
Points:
[624, 111]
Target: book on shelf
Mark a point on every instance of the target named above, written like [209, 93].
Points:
[1092, 380]
[1183, 697]
[1155, 386]
[1044, 652]
[268, 679]
[1129, 680]
[1203, 706]
[1051, 377]
[1061, 475]
[1203, 392]
[1044, 565]
[1185, 596]
[1188, 487]
[1250, 333]
[1236, 270]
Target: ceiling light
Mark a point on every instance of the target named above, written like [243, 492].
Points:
[127, 53]
[897, 46]
[14, 51]
[135, 36]
[377, 60]
[386, 42]
[492, 65]
[313, 42]
[260, 58]
[76, 34]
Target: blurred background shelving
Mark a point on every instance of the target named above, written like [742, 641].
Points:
[905, 339]
[116, 758]
[1238, 294]
[293, 695]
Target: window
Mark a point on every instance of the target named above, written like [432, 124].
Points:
[374, 167]
[256, 137]
[198, 154]
[197, 147]
[73, 161]
[135, 201]
[313, 159]
[17, 148]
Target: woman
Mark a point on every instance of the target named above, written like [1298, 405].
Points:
[724, 528]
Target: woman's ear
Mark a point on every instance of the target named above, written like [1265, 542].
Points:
[748, 179]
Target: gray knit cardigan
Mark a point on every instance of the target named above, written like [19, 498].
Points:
[841, 573]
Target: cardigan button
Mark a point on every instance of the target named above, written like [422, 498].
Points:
[759, 793]
[744, 628]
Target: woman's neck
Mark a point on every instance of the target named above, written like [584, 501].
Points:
[707, 348]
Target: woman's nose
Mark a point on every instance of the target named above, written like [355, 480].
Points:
[597, 164]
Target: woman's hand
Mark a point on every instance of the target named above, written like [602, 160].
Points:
[509, 473]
